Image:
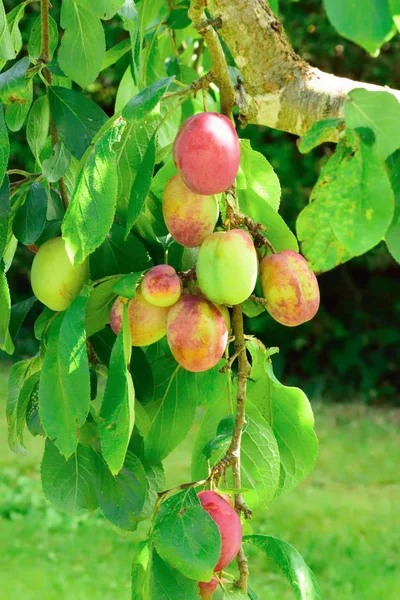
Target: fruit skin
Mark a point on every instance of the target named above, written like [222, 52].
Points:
[161, 286]
[206, 153]
[290, 288]
[229, 526]
[189, 217]
[147, 323]
[207, 589]
[197, 333]
[227, 267]
[54, 279]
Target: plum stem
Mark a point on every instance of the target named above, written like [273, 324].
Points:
[258, 300]
[219, 67]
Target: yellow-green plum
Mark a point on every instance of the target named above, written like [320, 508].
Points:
[189, 217]
[161, 286]
[197, 333]
[54, 279]
[227, 267]
[206, 153]
[289, 287]
[147, 323]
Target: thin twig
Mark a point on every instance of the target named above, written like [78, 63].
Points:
[258, 300]
[219, 66]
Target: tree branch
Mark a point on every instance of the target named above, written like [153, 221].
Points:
[219, 67]
[280, 89]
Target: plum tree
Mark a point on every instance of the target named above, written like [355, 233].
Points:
[197, 333]
[161, 286]
[147, 323]
[54, 279]
[290, 288]
[229, 525]
[189, 217]
[206, 152]
[227, 267]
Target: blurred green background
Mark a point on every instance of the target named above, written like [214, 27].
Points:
[343, 518]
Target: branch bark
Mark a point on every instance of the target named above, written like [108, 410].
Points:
[280, 89]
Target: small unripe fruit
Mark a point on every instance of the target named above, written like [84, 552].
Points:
[161, 286]
[227, 267]
[189, 217]
[229, 525]
[197, 333]
[147, 323]
[206, 153]
[207, 589]
[54, 279]
[290, 288]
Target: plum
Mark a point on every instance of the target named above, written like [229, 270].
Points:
[161, 286]
[227, 267]
[206, 153]
[229, 525]
[54, 279]
[197, 333]
[147, 323]
[290, 288]
[189, 217]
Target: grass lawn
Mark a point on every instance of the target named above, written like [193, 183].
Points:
[343, 519]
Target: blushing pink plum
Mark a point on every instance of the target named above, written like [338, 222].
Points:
[229, 525]
[147, 323]
[161, 286]
[206, 153]
[290, 288]
[190, 218]
[197, 333]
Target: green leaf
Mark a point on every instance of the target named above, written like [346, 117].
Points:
[292, 565]
[30, 218]
[17, 112]
[186, 537]
[140, 573]
[258, 175]
[122, 497]
[37, 126]
[144, 102]
[222, 438]
[178, 17]
[233, 593]
[115, 53]
[262, 212]
[393, 233]
[105, 9]
[68, 484]
[7, 51]
[288, 412]
[35, 38]
[130, 153]
[83, 45]
[117, 413]
[77, 118]
[23, 378]
[5, 211]
[371, 32]
[142, 183]
[19, 312]
[167, 583]
[355, 185]
[126, 286]
[395, 9]
[379, 111]
[4, 146]
[64, 392]
[98, 308]
[55, 167]
[320, 132]
[5, 312]
[12, 82]
[13, 19]
[91, 211]
[130, 18]
[117, 255]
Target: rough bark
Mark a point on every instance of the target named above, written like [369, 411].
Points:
[280, 89]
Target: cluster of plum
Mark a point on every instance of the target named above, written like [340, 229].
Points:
[221, 510]
[196, 320]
